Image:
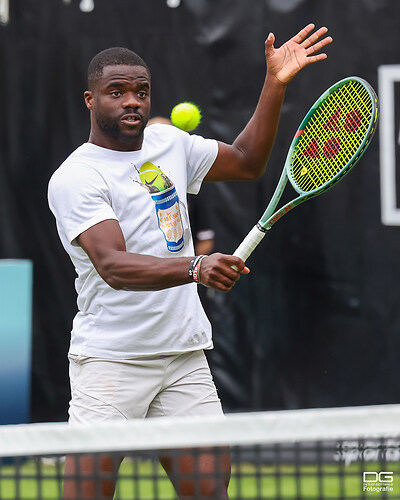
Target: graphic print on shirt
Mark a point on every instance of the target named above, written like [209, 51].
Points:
[166, 200]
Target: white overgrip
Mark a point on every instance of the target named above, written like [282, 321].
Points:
[245, 249]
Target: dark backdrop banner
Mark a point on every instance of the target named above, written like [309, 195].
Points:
[317, 321]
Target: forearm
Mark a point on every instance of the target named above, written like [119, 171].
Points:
[127, 271]
[105, 246]
[255, 142]
[247, 157]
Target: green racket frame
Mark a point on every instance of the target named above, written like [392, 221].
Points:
[329, 177]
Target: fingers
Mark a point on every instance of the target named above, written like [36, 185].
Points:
[314, 37]
[302, 34]
[269, 44]
[285, 62]
[311, 43]
[217, 271]
[316, 47]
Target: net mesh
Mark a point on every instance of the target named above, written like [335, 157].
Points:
[332, 136]
[349, 453]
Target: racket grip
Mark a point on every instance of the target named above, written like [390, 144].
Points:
[245, 249]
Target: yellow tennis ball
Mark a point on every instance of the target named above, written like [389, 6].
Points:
[186, 116]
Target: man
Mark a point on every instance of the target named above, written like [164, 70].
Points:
[120, 204]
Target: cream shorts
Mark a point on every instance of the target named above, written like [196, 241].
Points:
[154, 386]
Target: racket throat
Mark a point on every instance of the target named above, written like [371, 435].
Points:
[262, 229]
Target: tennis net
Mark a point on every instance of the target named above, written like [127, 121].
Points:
[336, 453]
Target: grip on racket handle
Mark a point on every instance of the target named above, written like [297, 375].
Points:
[245, 249]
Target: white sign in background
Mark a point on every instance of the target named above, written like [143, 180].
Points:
[389, 138]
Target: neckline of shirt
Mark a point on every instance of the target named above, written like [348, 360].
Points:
[112, 152]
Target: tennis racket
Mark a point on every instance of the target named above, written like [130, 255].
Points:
[330, 140]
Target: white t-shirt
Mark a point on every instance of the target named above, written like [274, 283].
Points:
[95, 184]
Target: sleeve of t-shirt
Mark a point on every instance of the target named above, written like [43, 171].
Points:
[201, 154]
[78, 197]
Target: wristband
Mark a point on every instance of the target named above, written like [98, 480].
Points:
[194, 269]
[193, 264]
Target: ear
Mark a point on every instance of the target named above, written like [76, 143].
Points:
[88, 99]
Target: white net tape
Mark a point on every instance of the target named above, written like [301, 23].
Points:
[233, 429]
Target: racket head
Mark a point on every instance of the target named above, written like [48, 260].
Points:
[333, 136]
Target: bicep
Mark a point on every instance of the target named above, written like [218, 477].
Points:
[101, 242]
[230, 164]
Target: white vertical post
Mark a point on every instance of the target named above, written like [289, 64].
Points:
[4, 12]
[388, 76]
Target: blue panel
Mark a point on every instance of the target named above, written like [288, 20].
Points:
[15, 340]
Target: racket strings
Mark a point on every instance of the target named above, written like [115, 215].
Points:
[355, 137]
[332, 136]
[340, 149]
[347, 100]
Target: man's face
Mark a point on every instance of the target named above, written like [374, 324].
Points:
[120, 107]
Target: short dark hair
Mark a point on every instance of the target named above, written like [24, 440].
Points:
[113, 56]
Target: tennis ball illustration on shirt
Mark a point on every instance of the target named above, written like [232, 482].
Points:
[153, 178]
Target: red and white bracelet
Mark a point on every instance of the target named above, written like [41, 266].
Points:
[194, 268]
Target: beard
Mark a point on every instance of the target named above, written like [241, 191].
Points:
[112, 126]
